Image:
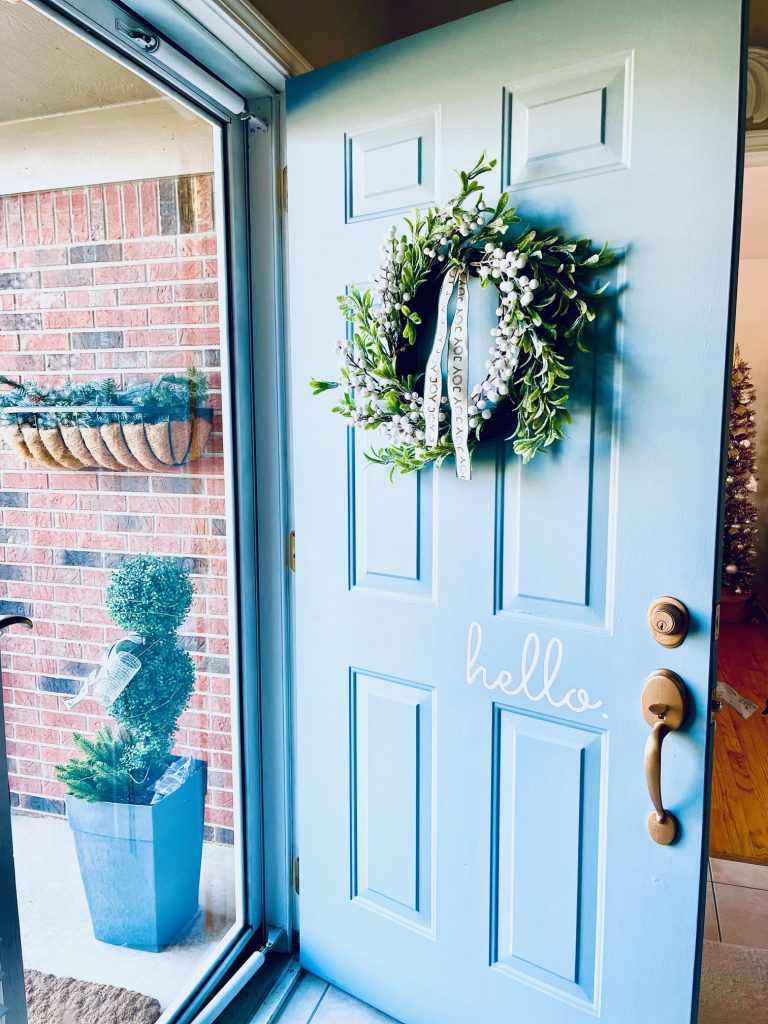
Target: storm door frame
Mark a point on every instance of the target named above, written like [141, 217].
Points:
[179, 46]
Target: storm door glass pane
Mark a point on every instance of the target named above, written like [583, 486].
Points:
[115, 510]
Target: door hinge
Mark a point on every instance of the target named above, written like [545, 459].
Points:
[284, 190]
[255, 123]
[292, 551]
[296, 875]
[717, 622]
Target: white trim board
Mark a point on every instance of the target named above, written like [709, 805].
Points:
[756, 148]
[128, 142]
[237, 22]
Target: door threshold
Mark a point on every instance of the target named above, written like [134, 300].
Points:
[316, 1001]
[279, 995]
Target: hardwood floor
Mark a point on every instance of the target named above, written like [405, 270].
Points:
[739, 820]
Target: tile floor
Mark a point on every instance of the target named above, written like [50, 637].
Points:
[737, 903]
[317, 1001]
[737, 912]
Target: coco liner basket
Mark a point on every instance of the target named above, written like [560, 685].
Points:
[115, 437]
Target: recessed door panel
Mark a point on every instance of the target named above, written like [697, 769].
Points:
[390, 525]
[547, 888]
[392, 799]
[391, 165]
[573, 121]
[553, 515]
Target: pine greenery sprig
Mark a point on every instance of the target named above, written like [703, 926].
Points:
[546, 302]
[103, 772]
[185, 395]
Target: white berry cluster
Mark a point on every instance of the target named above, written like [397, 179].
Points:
[517, 291]
[363, 409]
[385, 285]
[409, 427]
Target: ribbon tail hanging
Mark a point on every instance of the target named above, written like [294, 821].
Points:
[458, 378]
[83, 692]
[433, 375]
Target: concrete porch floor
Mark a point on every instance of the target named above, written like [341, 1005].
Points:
[56, 931]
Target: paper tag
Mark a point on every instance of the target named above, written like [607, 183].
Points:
[741, 705]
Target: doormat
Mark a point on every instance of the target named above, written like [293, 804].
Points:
[734, 981]
[52, 1000]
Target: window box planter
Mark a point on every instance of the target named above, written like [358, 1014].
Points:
[140, 864]
[120, 437]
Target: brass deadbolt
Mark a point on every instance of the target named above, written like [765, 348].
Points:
[668, 621]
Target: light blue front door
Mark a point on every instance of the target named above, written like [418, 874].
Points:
[474, 846]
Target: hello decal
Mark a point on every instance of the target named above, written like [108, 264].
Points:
[575, 699]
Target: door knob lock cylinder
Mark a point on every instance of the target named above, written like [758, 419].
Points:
[668, 621]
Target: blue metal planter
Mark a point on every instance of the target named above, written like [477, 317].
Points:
[140, 865]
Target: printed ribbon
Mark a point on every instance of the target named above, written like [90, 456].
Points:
[456, 278]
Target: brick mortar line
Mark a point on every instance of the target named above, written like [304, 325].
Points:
[161, 304]
[142, 261]
[52, 290]
[154, 283]
[95, 512]
[97, 330]
[129, 474]
[93, 568]
[116, 240]
[96, 568]
[99, 568]
[155, 259]
[136, 261]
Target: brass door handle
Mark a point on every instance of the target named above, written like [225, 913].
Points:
[653, 774]
[665, 706]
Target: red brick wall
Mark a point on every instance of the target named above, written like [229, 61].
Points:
[117, 280]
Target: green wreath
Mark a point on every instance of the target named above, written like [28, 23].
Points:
[545, 303]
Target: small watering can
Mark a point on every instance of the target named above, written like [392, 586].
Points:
[107, 682]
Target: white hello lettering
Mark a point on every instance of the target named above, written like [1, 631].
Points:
[575, 699]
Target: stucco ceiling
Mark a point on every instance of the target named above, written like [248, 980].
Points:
[47, 70]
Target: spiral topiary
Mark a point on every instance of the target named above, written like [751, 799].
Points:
[149, 596]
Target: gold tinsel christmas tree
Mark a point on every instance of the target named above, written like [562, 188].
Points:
[740, 529]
